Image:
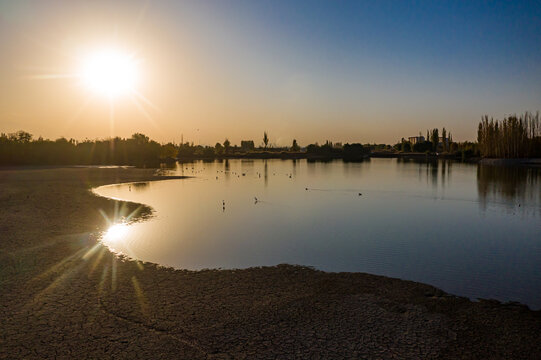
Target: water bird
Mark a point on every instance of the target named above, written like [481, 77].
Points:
[305, 188]
[255, 200]
[360, 194]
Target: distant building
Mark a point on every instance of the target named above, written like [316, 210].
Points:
[442, 140]
[416, 139]
[337, 145]
[247, 145]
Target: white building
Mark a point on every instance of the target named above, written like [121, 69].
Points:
[416, 139]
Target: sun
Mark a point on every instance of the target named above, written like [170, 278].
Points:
[110, 72]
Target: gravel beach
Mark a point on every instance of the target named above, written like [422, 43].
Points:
[64, 295]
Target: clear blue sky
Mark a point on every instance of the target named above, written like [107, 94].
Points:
[311, 70]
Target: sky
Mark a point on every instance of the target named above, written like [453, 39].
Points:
[349, 71]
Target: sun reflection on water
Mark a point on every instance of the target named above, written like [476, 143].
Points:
[115, 234]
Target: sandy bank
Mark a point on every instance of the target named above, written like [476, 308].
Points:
[64, 296]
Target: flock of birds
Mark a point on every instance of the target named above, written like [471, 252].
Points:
[239, 174]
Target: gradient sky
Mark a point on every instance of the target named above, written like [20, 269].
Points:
[311, 70]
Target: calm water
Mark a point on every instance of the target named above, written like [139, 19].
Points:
[470, 230]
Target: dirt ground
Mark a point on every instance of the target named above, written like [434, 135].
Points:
[63, 295]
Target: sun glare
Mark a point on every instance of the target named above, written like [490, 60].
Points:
[110, 72]
[115, 233]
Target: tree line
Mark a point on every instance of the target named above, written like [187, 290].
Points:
[21, 149]
[346, 151]
[188, 150]
[512, 137]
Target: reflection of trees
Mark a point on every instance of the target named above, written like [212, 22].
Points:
[266, 173]
[139, 185]
[443, 167]
[246, 166]
[511, 184]
[227, 169]
[434, 170]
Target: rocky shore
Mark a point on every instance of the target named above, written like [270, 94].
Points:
[66, 296]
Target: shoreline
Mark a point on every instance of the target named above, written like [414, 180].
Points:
[62, 299]
[284, 155]
[529, 162]
[524, 162]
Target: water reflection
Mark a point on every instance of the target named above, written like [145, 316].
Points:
[413, 221]
[518, 188]
[266, 172]
[115, 233]
[138, 186]
[436, 173]
[227, 169]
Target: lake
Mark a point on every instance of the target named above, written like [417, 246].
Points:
[468, 229]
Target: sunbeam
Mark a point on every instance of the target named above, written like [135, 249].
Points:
[80, 109]
[103, 279]
[97, 261]
[113, 274]
[144, 112]
[140, 296]
[52, 76]
[145, 100]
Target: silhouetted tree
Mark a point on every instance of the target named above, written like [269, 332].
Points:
[295, 146]
[265, 139]
[511, 137]
[227, 145]
[19, 149]
[435, 139]
[354, 151]
[21, 137]
[422, 146]
[168, 151]
[218, 149]
[405, 146]
[444, 137]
